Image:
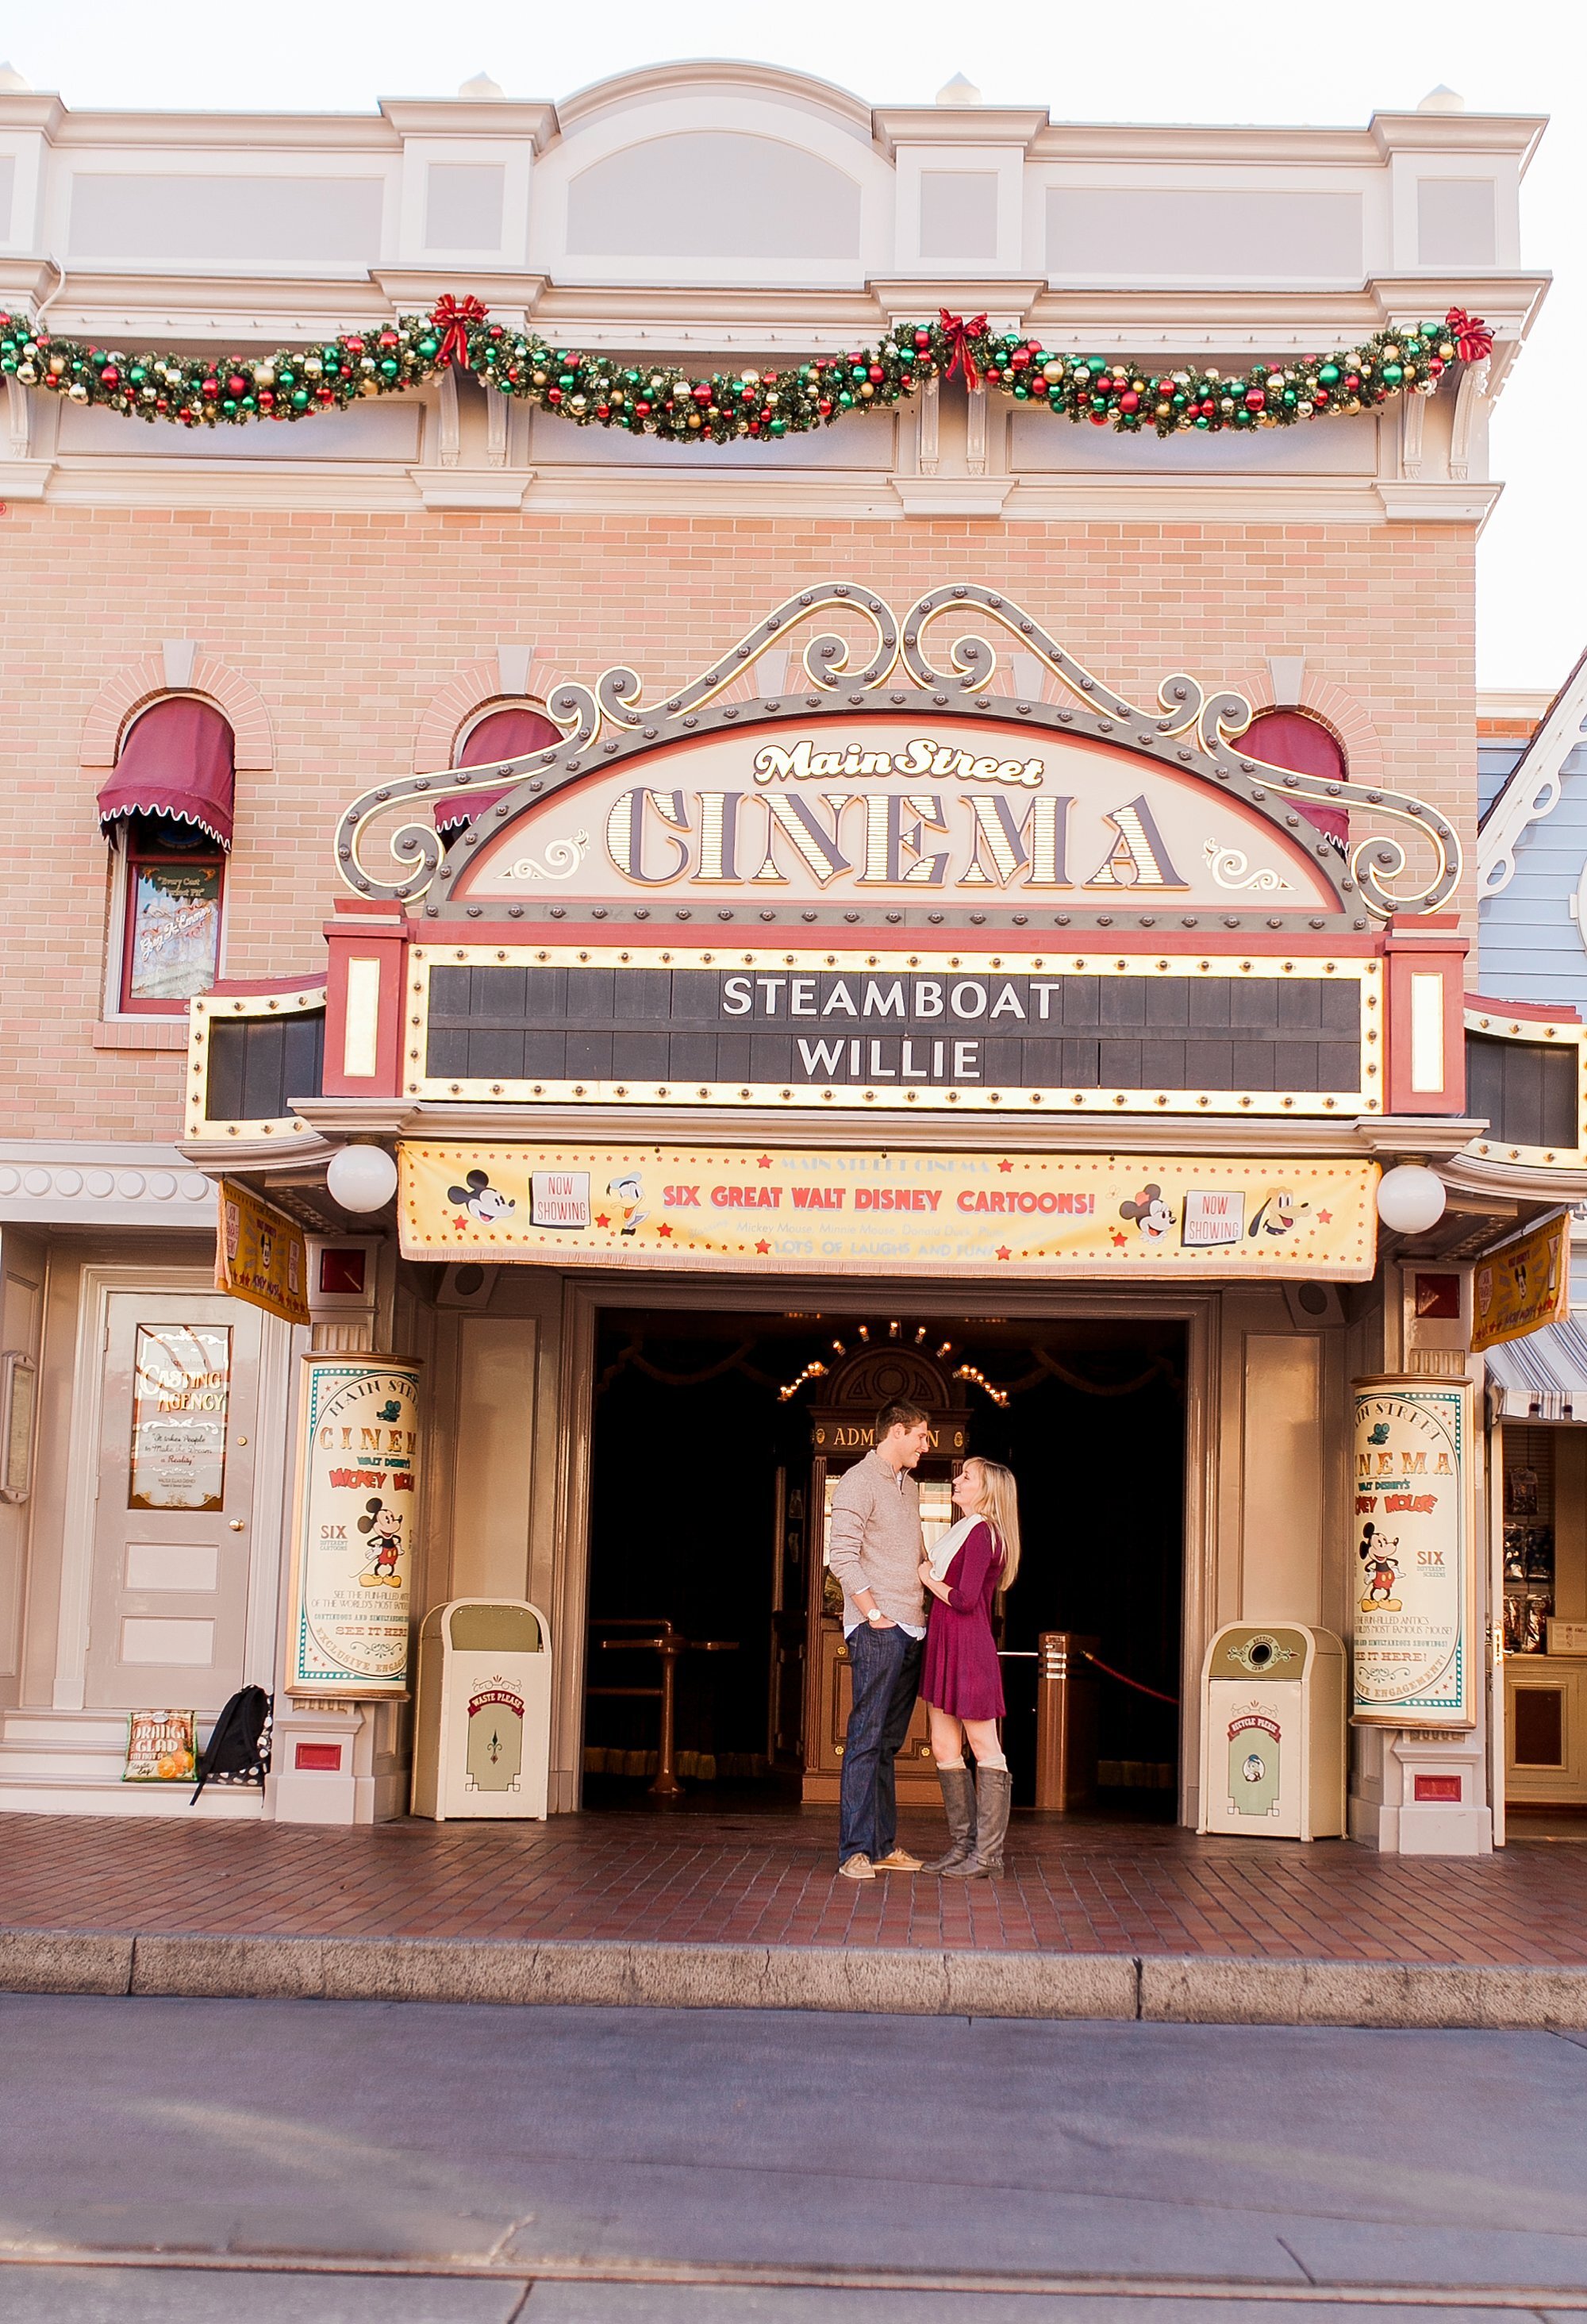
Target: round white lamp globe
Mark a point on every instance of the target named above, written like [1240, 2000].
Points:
[361, 1177]
[1410, 1198]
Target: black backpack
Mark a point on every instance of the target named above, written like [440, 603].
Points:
[239, 1744]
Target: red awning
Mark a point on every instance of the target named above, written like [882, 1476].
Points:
[1289, 738]
[504, 734]
[176, 762]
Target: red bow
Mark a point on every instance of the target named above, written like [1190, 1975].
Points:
[452, 317]
[1473, 341]
[960, 333]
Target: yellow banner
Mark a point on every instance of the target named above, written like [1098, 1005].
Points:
[1523, 1286]
[795, 1209]
[260, 1256]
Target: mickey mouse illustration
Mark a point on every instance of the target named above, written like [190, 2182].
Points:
[384, 1528]
[482, 1201]
[1151, 1214]
[630, 1193]
[1382, 1570]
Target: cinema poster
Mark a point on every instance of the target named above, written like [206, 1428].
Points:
[1412, 1571]
[355, 1524]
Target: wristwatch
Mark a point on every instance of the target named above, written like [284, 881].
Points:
[875, 1616]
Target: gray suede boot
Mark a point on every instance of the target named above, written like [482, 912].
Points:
[958, 1804]
[994, 1797]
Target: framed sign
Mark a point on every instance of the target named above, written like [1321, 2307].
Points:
[1413, 1570]
[868, 1211]
[181, 1387]
[357, 1501]
[19, 1382]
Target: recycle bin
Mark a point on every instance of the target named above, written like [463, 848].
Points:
[1273, 1732]
[482, 1743]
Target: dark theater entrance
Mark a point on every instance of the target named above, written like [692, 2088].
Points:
[717, 1439]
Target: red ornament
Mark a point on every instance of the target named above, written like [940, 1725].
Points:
[1020, 358]
[237, 384]
[110, 376]
[1256, 399]
[211, 387]
[267, 399]
[1097, 418]
[356, 347]
[554, 395]
[1353, 384]
[1129, 401]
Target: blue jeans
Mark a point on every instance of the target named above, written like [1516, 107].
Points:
[885, 1665]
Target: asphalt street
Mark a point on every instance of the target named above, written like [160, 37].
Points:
[968, 2164]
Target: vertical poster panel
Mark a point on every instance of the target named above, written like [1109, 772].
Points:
[1412, 1572]
[358, 1458]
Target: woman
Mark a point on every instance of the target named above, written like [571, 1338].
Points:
[961, 1685]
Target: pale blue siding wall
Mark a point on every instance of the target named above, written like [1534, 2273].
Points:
[1529, 949]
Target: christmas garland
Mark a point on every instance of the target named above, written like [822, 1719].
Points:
[659, 399]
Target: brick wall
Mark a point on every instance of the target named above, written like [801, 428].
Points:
[350, 625]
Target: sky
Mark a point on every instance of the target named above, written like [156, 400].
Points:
[1154, 60]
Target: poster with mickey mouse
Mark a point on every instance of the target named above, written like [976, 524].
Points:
[354, 1527]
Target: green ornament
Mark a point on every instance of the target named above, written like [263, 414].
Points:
[1393, 373]
[1202, 421]
[428, 347]
[300, 399]
[1095, 364]
[844, 398]
[1329, 374]
[387, 370]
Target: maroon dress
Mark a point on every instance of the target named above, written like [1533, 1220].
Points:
[962, 1674]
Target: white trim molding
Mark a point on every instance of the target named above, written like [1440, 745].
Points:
[1533, 789]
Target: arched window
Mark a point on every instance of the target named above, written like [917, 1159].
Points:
[510, 732]
[168, 803]
[1290, 738]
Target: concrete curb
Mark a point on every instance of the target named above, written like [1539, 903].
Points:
[1203, 1989]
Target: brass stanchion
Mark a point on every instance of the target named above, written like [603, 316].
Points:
[1066, 1723]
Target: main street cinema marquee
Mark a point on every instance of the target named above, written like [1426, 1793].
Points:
[898, 885]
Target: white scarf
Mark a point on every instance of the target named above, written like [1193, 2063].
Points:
[947, 1545]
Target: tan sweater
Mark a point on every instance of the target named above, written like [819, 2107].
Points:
[876, 1542]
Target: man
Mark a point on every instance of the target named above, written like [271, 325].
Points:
[875, 1553]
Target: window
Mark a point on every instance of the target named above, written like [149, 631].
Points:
[171, 801]
[1291, 739]
[171, 941]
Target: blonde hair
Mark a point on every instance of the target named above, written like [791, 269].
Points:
[1000, 1506]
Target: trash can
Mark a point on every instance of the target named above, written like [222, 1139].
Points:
[482, 1743]
[1273, 1732]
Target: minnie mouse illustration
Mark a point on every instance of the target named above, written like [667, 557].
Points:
[384, 1528]
[481, 1201]
[1151, 1214]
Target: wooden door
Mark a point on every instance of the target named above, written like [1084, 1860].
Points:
[169, 1595]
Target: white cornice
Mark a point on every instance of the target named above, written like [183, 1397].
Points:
[452, 117]
[960, 124]
[651, 82]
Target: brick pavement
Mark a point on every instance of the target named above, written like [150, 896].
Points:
[720, 1877]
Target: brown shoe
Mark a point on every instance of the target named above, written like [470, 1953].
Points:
[857, 1868]
[898, 1860]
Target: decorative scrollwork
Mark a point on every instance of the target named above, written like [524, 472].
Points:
[1376, 861]
[1189, 730]
[415, 849]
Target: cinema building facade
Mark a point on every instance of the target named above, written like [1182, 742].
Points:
[660, 945]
